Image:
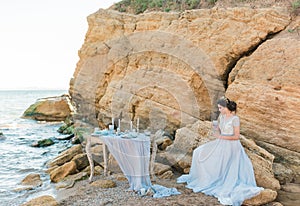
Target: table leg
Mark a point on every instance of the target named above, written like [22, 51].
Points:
[104, 148]
[90, 157]
[152, 158]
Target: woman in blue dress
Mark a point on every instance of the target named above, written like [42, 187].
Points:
[221, 168]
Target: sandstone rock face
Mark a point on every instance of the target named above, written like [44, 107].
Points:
[167, 69]
[288, 198]
[266, 88]
[262, 162]
[50, 109]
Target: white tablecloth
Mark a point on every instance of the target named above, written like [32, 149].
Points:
[133, 156]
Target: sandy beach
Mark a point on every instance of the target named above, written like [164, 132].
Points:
[84, 194]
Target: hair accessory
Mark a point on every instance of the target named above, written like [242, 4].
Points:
[226, 99]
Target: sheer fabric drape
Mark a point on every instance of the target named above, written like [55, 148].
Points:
[133, 156]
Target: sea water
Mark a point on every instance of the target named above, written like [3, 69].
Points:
[18, 157]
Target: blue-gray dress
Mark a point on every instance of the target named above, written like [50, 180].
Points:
[222, 169]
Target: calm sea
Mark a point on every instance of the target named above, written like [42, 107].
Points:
[18, 158]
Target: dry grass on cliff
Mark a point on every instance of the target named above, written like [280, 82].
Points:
[142, 6]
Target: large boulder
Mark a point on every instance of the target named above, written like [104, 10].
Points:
[65, 156]
[50, 109]
[30, 182]
[33, 180]
[81, 161]
[262, 198]
[63, 171]
[262, 162]
[104, 184]
[45, 200]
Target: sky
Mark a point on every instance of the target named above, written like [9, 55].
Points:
[40, 39]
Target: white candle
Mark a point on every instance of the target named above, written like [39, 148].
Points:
[130, 125]
[137, 124]
[119, 124]
[112, 121]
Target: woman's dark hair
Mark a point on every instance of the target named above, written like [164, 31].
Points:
[225, 102]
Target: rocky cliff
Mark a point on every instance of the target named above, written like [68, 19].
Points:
[168, 70]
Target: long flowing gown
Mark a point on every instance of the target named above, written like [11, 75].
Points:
[222, 169]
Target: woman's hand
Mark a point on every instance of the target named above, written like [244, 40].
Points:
[216, 133]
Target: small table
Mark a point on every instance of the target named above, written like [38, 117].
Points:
[132, 155]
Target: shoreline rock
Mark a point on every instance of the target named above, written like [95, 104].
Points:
[45, 200]
[50, 109]
[2, 137]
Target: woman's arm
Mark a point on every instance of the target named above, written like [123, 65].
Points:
[235, 136]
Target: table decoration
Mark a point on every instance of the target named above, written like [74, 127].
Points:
[132, 152]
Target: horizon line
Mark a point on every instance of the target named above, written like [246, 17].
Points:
[37, 89]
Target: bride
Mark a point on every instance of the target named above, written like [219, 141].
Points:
[221, 168]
